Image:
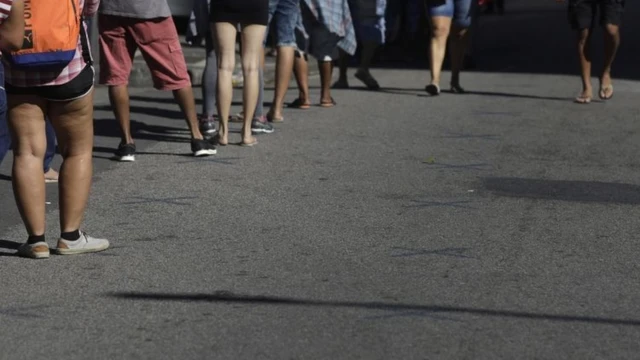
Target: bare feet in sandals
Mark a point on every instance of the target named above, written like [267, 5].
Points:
[327, 103]
[606, 90]
[249, 141]
[584, 97]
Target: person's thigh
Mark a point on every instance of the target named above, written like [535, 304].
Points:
[26, 117]
[116, 51]
[463, 13]
[73, 122]
[440, 8]
[611, 12]
[582, 13]
[285, 14]
[160, 46]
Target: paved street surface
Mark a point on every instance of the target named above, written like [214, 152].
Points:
[497, 225]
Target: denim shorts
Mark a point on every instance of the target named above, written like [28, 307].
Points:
[285, 14]
[460, 11]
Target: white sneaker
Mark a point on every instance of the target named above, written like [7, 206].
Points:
[39, 250]
[86, 244]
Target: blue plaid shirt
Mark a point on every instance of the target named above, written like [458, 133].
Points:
[335, 15]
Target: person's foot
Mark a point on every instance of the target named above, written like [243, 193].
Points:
[584, 97]
[249, 141]
[201, 147]
[125, 153]
[432, 89]
[39, 250]
[51, 176]
[85, 244]
[606, 88]
[275, 118]
[300, 103]
[208, 126]
[261, 126]
[327, 102]
[341, 84]
[457, 89]
[368, 79]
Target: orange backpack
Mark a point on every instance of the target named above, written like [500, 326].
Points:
[52, 29]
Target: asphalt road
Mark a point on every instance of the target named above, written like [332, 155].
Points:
[502, 224]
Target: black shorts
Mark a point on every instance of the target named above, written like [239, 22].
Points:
[77, 88]
[583, 13]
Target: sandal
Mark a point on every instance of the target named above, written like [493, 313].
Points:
[245, 144]
[604, 90]
[274, 119]
[328, 104]
[216, 141]
[300, 104]
[432, 89]
[584, 100]
[51, 176]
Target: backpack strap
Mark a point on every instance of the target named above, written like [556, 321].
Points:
[84, 41]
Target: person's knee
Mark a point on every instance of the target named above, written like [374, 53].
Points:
[250, 65]
[440, 30]
[226, 63]
[612, 30]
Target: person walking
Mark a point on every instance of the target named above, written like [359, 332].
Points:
[582, 15]
[128, 25]
[252, 16]
[57, 84]
[450, 20]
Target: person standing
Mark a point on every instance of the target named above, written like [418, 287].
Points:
[252, 16]
[369, 21]
[449, 19]
[582, 15]
[64, 93]
[128, 25]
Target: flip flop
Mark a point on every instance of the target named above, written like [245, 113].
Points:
[244, 144]
[273, 119]
[584, 100]
[300, 104]
[604, 90]
[326, 104]
[216, 141]
[432, 89]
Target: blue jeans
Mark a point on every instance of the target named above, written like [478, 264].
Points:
[460, 11]
[285, 14]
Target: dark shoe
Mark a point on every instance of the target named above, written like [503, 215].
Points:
[260, 126]
[432, 89]
[125, 153]
[208, 126]
[202, 148]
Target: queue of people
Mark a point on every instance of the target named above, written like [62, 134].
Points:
[48, 90]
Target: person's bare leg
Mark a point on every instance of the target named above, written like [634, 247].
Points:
[226, 48]
[186, 101]
[284, 67]
[119, 99]
[301, 72]
[611, 44]
[26, 117]
[459, 42]
[252, 52]
[440, 27]
[584, 53]
[326, 74]
[343, 63]
[73, 121]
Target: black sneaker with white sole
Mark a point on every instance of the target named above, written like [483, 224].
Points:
[261, 127]
[125, 153]
[208, 126]
[202, 148]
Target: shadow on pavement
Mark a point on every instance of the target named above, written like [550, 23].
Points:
[142, 131]
[8, 245]
[5, 177]
[580, 191]
[224, 297]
